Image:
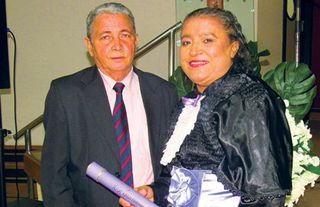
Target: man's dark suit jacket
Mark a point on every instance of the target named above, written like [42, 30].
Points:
[79, 130]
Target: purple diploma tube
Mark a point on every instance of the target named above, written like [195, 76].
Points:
[102, 176]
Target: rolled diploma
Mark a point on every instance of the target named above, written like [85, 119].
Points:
[102, 176]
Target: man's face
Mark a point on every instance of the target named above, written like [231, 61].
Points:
[113, 44]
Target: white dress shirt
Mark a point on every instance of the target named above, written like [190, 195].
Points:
[138, 127]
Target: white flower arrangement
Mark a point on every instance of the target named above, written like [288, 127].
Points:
[302, 158]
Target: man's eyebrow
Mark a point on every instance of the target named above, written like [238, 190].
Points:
[125, 30]
[185, 36]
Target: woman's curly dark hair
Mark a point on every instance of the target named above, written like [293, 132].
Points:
[242, 60]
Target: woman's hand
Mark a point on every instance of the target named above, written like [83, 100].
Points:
[144, 190]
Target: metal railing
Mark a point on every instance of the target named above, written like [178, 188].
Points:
[169, 35]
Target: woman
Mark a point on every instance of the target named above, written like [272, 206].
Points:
[229, 143]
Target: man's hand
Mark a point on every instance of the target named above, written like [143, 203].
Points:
[144, 190]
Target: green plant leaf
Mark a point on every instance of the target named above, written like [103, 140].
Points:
[181, 81]
[278, 78]
[302, 98]
[296, 84]
[255, 56]
[264, 53]
[268, 78]
[304, 85]
[312, 168]
[253, 48]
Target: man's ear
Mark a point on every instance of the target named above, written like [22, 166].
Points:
[88, 45]
[137, 41]
[234, 48]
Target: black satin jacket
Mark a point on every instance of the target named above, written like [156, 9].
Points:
[242, 135]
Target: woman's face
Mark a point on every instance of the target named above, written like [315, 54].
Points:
[206, 52]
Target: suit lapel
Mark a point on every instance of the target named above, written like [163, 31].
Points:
[98, 104]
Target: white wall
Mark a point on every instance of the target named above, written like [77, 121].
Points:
[245, 13]
[49, 36]
[270, 32]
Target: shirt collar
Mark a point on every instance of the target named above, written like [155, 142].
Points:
[110, 82]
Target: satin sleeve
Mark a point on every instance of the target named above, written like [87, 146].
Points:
[274, 202]
[255, 136]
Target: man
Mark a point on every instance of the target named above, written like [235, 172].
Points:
[79, 113]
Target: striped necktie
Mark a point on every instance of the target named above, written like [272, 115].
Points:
[122, 135]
